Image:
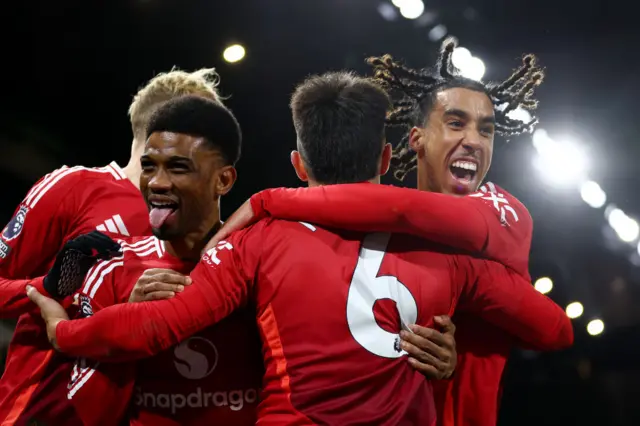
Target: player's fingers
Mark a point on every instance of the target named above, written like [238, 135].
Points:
[35, 296]
[423, 357]
[447, 326]
[427, 370]
[172, 277]
[158, 295]
[162, 286]
[426, 346]
[431, 335]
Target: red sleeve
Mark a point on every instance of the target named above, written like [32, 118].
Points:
[504, 298]
[222, 282]
[111, 383]
[490, 222]
[29, 243]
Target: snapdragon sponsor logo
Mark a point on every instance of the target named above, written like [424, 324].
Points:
[195, 359]
[235, 400]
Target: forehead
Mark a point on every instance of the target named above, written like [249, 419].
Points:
[175, 144]
[473, 102]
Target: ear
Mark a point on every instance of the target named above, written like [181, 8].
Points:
[227, 176]
[417, 139]
[298, 166]
[385, 159]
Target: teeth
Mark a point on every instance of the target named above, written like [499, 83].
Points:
[467, 165]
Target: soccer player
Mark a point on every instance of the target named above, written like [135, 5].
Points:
[324, 297]
[62, 205]
[214, 376]
[451, 122]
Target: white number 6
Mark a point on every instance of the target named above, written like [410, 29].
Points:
[366, 288]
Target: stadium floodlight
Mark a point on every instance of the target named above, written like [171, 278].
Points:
[468, 65]
[559, 163]
[544, 285]
[626, 227]
[520, 114]
[411, 9]
[234, 53]
[574, 310]
[593, 195]
[595, 327]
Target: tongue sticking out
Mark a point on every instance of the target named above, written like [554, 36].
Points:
[158, 216]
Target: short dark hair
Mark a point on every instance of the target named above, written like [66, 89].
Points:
[197, 116]
[339, 119]
[418, 90]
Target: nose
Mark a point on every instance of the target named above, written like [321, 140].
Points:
[160, 181]
[472, 141]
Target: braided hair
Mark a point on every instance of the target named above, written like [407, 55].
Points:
[417, 90]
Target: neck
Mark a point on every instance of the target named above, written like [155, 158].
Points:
[423, 179]
[132, 170]
[190, 247]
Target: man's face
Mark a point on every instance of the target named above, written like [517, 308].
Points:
[180, 183]
[455, 147]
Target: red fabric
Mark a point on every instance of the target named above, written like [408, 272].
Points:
[62, 205]
[325, 365]
[491, 223]
[213, 376]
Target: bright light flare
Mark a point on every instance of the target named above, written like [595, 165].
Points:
[468, 65]
[626, 227]
[544, 285]
[574, 310]
[559, 163]
[593, 195]
[595, 327]
[520, 114]
[410, 9]
[234, 53]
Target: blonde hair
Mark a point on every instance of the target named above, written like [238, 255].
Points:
[166, 86]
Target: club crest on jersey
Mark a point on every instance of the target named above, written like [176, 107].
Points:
[85, 306]
[15, 225]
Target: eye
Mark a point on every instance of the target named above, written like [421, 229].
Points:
[179, 168]
[456, 124]
[487, 131]
[146, 165]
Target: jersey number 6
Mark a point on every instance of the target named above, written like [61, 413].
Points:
[366, 289]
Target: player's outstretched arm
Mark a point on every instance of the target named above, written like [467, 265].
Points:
[126, 332]
[506, 299]
[491, 221]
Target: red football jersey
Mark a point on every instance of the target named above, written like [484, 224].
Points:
[62, 205]
[326, 315]
[490, 222]
[213, 376]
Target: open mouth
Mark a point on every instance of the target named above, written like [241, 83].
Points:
[464, 171]
[160, 212]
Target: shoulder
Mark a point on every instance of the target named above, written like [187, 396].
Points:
[67, 179]
[509, 208]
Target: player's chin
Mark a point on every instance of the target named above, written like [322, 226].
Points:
[166, 232]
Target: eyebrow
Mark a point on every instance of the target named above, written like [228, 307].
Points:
[172, 159]
[463, 115]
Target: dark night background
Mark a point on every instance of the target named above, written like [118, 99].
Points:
[70, 68]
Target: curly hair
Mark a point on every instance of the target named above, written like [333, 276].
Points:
[417, 90]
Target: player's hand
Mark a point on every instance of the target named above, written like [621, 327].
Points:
[156, 284]
[240, 219]
[51, 311]
[431, 352]
[74, 261]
